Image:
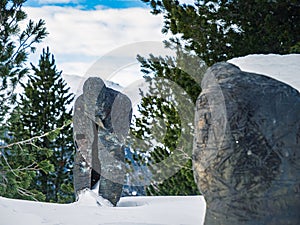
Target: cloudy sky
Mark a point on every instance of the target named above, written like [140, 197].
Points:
[80, 32]
[84, 32]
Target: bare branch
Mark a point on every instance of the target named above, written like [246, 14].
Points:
[25, 192]
[31, 140]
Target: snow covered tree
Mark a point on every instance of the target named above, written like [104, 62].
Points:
[44, 108]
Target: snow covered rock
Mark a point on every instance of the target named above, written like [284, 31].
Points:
[247, 148]
[88, 197]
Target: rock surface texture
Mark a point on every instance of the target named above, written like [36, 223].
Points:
[100, 123]
[247, 148]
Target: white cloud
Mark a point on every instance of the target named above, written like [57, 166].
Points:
[79, 37]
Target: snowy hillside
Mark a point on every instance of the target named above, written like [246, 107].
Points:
[139, 210]
[73, 81]
[285, 68]
[76, 82]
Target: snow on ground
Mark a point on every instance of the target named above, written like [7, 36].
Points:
[172, 210]
[130, 211]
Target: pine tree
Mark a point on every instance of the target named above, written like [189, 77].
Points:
[41, 112]
[15, 46]
[166, 116]
[214, 31]
[218, 30]
[19, 164]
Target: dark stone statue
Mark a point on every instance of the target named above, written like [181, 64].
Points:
[247, 148]
[100, 123]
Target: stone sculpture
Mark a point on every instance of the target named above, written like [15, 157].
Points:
[247, 148]
[100, 123]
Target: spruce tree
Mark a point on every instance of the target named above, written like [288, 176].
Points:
[212, 31]
[15, 46]
[218, 30]
[43, 109]
[166, 115]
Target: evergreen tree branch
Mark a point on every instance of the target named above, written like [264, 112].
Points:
[23, 191]
[31, 140]
[7, 163]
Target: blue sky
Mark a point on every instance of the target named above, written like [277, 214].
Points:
[88, 4]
